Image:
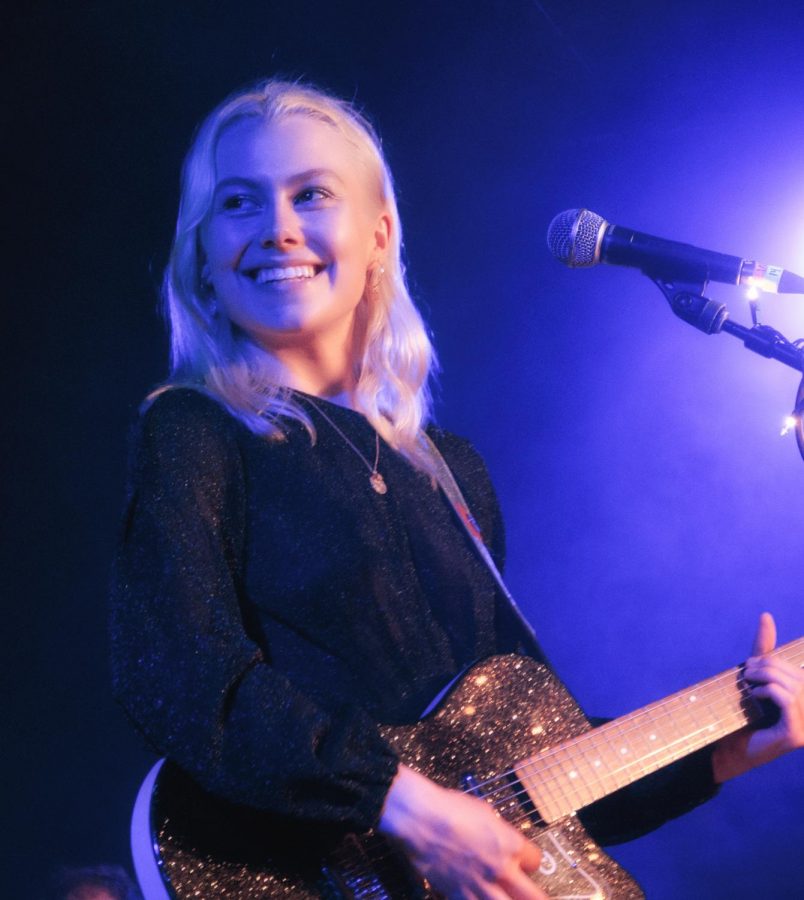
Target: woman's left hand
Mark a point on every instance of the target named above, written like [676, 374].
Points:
[770, 679]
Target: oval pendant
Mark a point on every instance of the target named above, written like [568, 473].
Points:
[378, 483]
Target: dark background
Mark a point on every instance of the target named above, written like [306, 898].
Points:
[653, 510]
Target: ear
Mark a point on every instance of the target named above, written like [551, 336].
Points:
[382, 232]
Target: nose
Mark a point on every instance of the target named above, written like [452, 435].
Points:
[280, 226]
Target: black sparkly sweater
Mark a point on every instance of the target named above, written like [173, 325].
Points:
[269, 608]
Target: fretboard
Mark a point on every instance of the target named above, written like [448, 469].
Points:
[563, 779]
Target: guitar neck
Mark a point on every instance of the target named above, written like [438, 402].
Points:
[563, 779]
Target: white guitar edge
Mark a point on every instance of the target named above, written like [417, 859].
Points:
[144, 851]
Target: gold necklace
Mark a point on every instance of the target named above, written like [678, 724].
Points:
[376, 480]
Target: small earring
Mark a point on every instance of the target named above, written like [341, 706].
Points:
[205, 279]
[376, 275]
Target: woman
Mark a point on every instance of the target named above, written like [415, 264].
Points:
[290, 573]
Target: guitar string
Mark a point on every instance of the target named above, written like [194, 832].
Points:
[712, 694]
[562, 797]
[713, 686]
[544, 759]
[550, 760]
[637, 726]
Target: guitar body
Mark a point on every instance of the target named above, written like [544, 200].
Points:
[503, 709]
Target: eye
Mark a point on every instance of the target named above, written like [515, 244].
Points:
[237, 202]
[311, 196]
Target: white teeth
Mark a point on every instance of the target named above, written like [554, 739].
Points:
[276, 274]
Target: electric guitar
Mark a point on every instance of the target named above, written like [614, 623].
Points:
[508, 731]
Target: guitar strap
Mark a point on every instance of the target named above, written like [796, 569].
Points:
[449, 486]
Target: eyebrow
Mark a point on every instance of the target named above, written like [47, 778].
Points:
[310, 174]
[296, 178]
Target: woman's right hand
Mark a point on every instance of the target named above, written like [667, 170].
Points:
[457, 842]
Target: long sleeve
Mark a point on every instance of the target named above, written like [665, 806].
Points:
[650, 802]
[186, 668]
[269, 609]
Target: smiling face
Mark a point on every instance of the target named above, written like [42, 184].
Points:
[295, 224]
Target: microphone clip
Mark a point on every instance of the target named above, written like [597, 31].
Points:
[687, 301]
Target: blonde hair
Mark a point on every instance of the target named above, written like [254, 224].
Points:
[396, 357]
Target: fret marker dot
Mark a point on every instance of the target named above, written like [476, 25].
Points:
[597, 763]
[573, 774]
[652, 737]
[623, 750]
[693, 698]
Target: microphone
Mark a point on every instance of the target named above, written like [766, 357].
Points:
[580, 238]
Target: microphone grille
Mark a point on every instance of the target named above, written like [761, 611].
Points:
[574, 237]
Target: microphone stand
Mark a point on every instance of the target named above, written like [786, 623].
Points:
[687, 301]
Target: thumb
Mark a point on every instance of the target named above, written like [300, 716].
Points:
[530, 857]
[765, 639]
